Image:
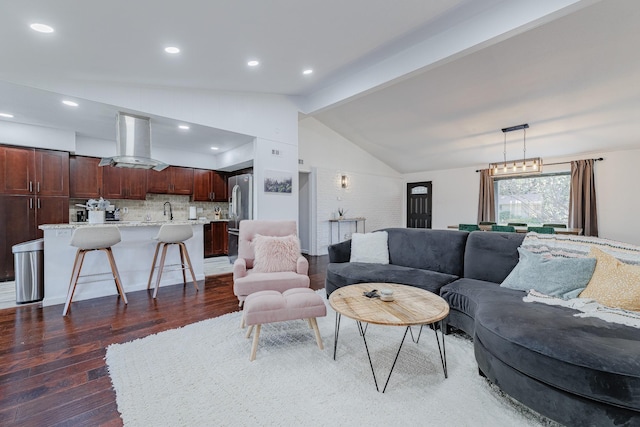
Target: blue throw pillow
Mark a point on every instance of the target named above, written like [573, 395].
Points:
[559, 277]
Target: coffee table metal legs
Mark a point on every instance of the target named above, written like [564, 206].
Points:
[394, 360]
[441, 350]
[335, 334]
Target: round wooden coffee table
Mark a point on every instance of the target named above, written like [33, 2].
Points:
[411, 307]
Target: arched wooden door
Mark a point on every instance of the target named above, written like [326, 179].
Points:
[419, 205]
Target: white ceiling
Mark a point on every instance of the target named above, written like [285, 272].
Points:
[420, 85]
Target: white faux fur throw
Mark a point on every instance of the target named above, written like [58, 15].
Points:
[588, 308]
[276, 253]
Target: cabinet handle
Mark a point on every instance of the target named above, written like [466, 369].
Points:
[30, 203]
[38, 187]
[30, 186]
[38, 203]
[213, 195]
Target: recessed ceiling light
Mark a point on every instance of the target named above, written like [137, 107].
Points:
[308, 71]
[6, 115]
[183, 127]
[214, 148]
[41, 28]
[172, 49]
[70, 103]
[253, 63]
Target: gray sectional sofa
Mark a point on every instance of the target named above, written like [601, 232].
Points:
[577, 371]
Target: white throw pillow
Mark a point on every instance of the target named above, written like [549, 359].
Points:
[370, 248]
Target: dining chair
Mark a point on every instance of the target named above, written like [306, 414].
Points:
[468, 227]
[542, 230]
[555, 225]
[517, 224]
[503, 228]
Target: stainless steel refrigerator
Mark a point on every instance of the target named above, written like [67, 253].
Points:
[240, 207]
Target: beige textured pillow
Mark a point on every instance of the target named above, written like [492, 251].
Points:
[614, 283]
[274, 254]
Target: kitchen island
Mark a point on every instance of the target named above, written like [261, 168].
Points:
[133, 257]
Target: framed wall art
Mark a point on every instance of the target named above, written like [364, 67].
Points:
[278, 182]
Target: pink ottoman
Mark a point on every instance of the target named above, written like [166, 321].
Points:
[273, 306]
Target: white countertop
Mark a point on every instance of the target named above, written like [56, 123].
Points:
[73, 225]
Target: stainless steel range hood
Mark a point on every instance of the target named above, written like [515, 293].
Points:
[133, 141]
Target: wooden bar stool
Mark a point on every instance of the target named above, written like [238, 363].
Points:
[93, 238]
[172, 234]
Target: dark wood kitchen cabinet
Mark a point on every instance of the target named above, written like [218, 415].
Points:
[16, 212]
[34, 190]
[215, 239]
[18, 170]
[219, 187]
[209, 186]
[50, 210]
[85, 177]
[124, 183]
[25, 213]
[172, 180]
[52, 173]
[34, 171]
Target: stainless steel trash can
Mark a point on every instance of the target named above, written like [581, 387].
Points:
[29, 271]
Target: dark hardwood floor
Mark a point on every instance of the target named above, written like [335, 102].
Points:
[52, 368]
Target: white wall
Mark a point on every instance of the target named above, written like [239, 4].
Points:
[273, 117]
[36, 136]
[617, 179]
[374, 197]
[374, 192]
[320, 146]
[454, 196]
[237, 158]
[279, 157]
[455, 193]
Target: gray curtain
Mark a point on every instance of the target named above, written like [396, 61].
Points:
[487, 199]
[582, 198]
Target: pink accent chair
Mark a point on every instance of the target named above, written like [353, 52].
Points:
[245, 280]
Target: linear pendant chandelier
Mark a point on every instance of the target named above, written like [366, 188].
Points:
[524, 166]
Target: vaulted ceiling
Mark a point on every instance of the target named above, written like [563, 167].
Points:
[420, 85]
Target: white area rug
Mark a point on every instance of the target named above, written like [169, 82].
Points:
[200, 375]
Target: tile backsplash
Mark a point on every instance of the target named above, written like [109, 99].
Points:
[137, 210]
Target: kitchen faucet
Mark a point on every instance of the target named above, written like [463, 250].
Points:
[170, 210]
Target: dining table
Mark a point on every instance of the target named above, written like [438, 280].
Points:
[520, 229]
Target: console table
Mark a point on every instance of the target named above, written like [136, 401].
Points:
[339, 221]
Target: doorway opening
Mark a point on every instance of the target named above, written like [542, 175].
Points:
[304, 212]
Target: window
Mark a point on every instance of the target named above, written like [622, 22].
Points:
[533, 200]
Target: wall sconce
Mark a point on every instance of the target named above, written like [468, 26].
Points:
[517, 167]
[344, 181]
